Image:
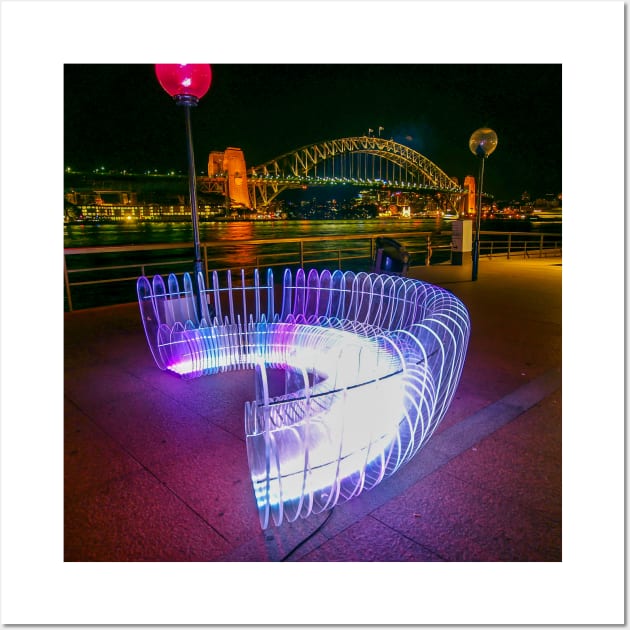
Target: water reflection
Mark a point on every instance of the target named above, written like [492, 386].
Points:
[145, 232]
[140, 233]
[230, 252]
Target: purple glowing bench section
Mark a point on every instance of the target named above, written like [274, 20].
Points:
[370, 363]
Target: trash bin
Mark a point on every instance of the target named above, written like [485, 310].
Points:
[391, 256]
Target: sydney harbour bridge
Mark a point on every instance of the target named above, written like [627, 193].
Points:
[365, 161]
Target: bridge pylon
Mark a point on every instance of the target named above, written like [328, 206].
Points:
[227, 175]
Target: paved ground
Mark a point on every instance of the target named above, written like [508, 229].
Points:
[156, 467]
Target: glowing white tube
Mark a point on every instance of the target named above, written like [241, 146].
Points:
[371, 363]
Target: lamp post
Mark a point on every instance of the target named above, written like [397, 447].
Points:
[187, 83]
[482, 143]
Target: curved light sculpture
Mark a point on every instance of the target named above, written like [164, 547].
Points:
[369, 366]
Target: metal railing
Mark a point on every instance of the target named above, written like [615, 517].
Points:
[525, 244]
[98, 276]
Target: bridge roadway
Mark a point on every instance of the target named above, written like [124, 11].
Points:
[156, 468]
[365, 161]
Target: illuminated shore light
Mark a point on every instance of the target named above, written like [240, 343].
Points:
[371, 363]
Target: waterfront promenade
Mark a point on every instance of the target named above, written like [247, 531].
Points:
[155, 467]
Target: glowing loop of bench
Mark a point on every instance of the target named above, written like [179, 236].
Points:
[371, 364]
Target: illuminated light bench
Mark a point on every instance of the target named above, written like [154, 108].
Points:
[369, 366]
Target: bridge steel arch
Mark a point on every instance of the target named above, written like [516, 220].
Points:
[304, 166]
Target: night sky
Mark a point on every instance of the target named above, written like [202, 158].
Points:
[118, 116]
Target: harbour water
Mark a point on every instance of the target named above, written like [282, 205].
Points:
[141, 233]
[230, 247]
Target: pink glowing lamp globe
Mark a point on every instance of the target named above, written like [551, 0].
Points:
[184, 81]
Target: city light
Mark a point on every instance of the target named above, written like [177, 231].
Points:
[184, 81]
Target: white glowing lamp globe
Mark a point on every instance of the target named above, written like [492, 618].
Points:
[483, 142]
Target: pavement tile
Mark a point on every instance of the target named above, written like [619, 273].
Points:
[215, 482]
[460, 522]
[154, 427]
[77, 354]
[91, 386]
[469, 431]
[370, 541]
[136, 519]
[465, 402]
[288, 542]
[219, 398]
[92, 331]
[91, 457]
[522, 461]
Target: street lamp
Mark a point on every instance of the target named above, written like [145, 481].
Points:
[187, 83]
[482, 143]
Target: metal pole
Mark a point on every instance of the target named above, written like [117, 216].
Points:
[476, 244]
[66, 281]
[205, 265]
[192, 183]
